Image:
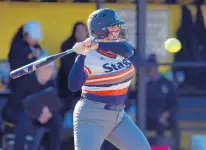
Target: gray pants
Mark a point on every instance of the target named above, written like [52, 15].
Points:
[93, 124]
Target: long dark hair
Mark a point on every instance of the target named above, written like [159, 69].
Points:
[72, 37]
[17, 36]
[71, 40]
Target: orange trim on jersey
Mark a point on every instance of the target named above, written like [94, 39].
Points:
[87, 70]
[110, 80]
[110, 75]
[107, 54]
[108, 92]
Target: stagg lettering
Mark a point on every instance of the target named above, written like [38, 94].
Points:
[109, 67]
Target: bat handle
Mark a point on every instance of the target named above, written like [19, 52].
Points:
[94, 41]
[69, 51]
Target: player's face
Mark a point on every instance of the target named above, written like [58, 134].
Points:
[114, 32]
[31, 41]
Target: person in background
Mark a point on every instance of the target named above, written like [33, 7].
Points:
[24, 50]
[161, 101]
[79, 34]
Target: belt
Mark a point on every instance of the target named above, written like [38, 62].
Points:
[119, 107]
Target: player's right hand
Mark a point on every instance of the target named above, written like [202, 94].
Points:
[79, 48]
[88, 44]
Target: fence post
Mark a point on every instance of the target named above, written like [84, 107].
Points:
[98, 4]
[141, 44]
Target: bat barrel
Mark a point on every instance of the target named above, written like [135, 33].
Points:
[37, 64]
[20, 72]
[15, 75]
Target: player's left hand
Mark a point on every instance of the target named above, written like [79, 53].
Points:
[89, 45]
[79, 48]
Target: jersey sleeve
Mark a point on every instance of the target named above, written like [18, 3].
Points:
[137, 60]
[78, 74]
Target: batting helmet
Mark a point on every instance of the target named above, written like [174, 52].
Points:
[100, 19]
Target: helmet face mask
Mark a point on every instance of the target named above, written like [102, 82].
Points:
[101, 34]
[100, 20]
[120, 34]
[123, 35]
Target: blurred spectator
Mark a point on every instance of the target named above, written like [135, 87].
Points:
[161, 102]
[186, 34]
[4, 75]
[24, 50]
[1, 85]
[79, 33]
[192, 36]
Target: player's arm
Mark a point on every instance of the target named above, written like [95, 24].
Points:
[120, 48]
[137, 60]
[77, 76]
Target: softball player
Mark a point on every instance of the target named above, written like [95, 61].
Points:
[104, 73]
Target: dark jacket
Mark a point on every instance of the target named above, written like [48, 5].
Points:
[161, 96]
[192, 37]
[21, 54]
[65, 68]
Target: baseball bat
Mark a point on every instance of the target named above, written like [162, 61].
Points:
[41, 62]
[37, 64]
